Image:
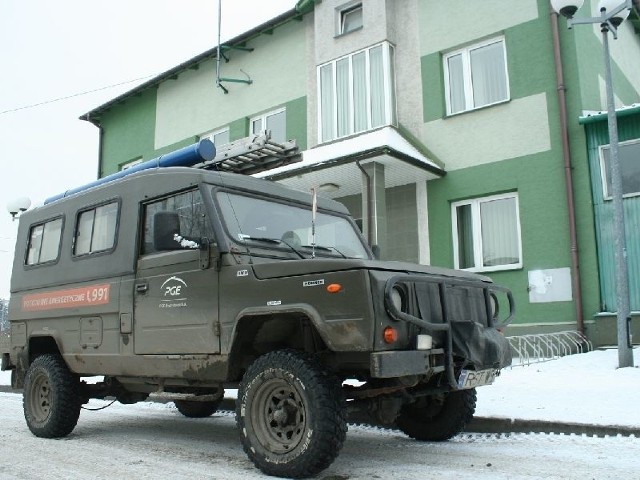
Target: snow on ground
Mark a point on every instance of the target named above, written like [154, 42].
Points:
[587, 388]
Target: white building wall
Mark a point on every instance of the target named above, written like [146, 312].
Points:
[193, 104]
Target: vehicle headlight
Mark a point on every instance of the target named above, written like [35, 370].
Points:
[399, 299]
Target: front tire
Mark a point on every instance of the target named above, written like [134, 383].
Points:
[439, 417]
[290, 414]
[51, 398]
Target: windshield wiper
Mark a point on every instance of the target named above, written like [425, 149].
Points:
[276, 241]
[326, 249]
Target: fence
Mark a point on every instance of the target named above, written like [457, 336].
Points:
[535, 348]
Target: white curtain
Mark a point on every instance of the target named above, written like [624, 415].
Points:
[360, 91]
[51, 241]
[500, 244]
[456, 84]
[488, 74]
[326, 102]
[378, 116]
[343, 97]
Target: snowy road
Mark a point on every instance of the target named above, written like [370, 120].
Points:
[146, 441]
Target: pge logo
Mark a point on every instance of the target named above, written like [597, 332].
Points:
[173, 287]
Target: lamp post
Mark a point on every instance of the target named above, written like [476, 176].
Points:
[612, 14]
[18, 206]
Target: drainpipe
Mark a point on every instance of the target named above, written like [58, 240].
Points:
[566, 154]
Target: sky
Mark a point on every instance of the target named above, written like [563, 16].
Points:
[60, 50]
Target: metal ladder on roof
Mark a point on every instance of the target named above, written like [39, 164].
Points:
[253, 154]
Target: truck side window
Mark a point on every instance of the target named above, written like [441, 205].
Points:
[96, 229]
[192, 215]
[44, 242]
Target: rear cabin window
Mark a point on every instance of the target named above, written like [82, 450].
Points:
[96, 229]
[193, 223]
[44, 242]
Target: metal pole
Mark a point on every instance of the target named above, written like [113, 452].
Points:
[625, 354]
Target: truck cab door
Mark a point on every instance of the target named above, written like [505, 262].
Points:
[176, 288]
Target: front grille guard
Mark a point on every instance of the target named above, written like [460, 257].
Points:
[443, 283]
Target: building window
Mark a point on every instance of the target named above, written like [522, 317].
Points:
[44, 242]
[629, 159]
[350, 19]
[275, 121]
[476, 76]
[486, 233]
[132, 163]
[192, 218]
[357, 92]
[218, 137]
[96, 229]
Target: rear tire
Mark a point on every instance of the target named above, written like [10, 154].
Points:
[290, 414]
[51, 398]
[193, 409]
[439, 417]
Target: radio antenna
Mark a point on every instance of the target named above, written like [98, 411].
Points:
[314, 210]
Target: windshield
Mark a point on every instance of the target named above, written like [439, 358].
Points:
[259, 220]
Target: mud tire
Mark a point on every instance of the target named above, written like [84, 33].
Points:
[193, 409]
[291, 415]
[51, 398]
[438, 418]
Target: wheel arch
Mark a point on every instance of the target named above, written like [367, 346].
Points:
[259, 331]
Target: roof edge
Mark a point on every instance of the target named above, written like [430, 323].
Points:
[594, 117]
[94, 114]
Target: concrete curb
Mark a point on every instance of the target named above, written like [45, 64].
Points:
[487, 424]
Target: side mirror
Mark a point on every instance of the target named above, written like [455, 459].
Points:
[165, 226]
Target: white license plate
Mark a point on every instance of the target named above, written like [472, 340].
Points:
[472, 378]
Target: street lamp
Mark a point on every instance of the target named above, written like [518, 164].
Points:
[18, 206]
[612, 14]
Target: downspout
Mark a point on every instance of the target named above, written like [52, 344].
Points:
[568, 173]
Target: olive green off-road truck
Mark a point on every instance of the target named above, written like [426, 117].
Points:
[179, 282]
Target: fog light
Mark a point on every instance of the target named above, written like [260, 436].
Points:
[390, 335]
[425, 342]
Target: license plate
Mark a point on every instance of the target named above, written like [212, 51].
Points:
[472, 378]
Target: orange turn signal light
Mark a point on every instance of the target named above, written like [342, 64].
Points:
[390, 335]
[334, 288]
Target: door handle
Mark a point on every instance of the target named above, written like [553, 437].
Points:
[142, 287]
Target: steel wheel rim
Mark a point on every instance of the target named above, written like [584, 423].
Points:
[40, 398]
[279, 416]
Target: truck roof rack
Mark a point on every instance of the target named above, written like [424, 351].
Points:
[253, 154]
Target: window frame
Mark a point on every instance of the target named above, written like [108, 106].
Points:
[465, 53]
[144, 212]
[27, 265]
[606, 194]
[389, 88]
[342, 14]
[131, 163]
[263, 118]
[79, 256]
[212, 134]
[476, 221]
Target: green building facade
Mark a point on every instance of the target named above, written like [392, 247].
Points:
[447, 115]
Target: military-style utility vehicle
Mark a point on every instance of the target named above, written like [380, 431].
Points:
[179, 282]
